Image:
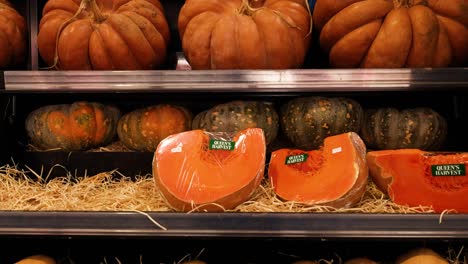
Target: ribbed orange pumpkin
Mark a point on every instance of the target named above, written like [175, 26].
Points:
[245, 34]
[103, 34]
[142, 129]
[12, 36]
[389, 34]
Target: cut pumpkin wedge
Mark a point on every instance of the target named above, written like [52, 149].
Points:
[414, 177]
[203, 171]
[335, 175]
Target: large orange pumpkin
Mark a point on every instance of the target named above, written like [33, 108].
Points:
[389, 34]
[245, 34]
[12, 36]
[103, 34]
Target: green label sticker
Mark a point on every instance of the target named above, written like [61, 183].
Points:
[296, 159]
[448, 170]
[221, 144]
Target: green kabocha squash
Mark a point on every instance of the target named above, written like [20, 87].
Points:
[142, 129]
[307, 121]
[390, 128]
[238, 115]
[76, 126]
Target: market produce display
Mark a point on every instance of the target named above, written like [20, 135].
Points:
[77, 126]
[307, 121]
[336, 175]
[393, 34]
[142, 129]
[103, 35]
[209, 171]
[390, 128]
[245, 34]
[414, 177]
[13, 31]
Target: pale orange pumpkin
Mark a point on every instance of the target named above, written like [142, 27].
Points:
[245, 34]
[12, 36]
[103, 34]
[393, 34]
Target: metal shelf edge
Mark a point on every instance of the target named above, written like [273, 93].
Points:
[239, 80]
[281, 225]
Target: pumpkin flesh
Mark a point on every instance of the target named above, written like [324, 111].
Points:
[391, 34]
[103, 35]
[189, 174]
[414, 177]
[236, 34]
[335, 175]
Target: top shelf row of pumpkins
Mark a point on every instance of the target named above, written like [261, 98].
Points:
[241, 34]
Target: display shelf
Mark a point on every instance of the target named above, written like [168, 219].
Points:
[219, 225]
[305, 80]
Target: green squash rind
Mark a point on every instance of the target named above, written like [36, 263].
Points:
[390, 128]
[238, 115]
[307, 121]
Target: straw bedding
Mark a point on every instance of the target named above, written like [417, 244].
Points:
[112, 191]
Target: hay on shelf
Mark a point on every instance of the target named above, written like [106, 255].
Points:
[111, 191]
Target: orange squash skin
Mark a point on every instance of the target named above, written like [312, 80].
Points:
[190, 176]
[393, 34]
[77, 126]
[253, 34]
[407, 176]
[12, 36]
[103, 35]
[318, 180]
[421, 255]
[144, 128]
[37, 259]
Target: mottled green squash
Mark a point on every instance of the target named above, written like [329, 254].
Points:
[76, 126]
[390, 128]
[142, 129]
[238, 115]
[307, 121]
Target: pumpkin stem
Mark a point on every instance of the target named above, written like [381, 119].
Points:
[84, 5]
[247, 9]
[310, 15]
[402, 3]
[98, 16]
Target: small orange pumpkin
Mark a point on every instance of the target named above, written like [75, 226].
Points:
[12, 36]
[103, 34]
